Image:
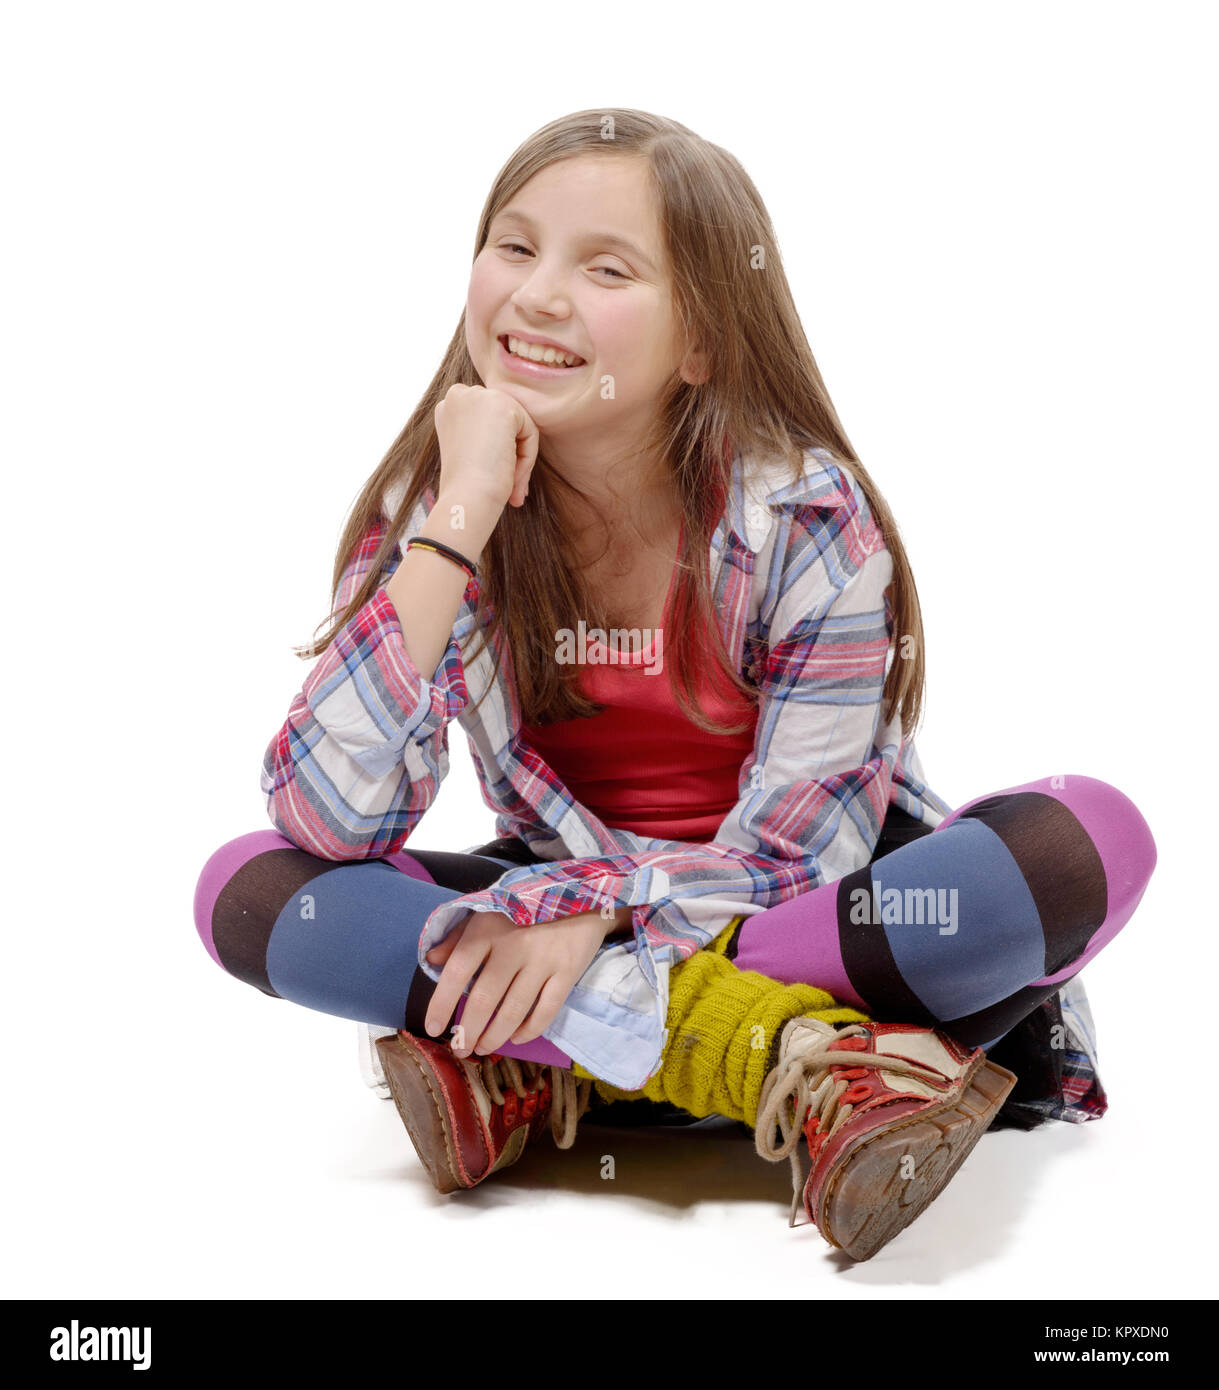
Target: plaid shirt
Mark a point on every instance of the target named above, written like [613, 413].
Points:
[799, 573]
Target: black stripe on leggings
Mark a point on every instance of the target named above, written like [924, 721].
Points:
[989, 1024]
[250, 903]
[466, 873]
[1060, 864]
[868, 959]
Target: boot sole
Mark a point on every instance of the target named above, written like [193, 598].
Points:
[413, 1090]
[888, 1179]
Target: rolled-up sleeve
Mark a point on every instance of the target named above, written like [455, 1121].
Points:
[364, 748]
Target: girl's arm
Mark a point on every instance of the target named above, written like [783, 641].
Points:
[364, 748]
[427, 589]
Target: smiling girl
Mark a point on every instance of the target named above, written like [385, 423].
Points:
[628, 433]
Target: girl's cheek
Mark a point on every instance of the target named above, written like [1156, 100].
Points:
[481, 293]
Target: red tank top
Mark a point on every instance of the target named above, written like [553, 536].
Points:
[640, 764]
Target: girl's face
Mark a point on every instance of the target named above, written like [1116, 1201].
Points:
[575, 258]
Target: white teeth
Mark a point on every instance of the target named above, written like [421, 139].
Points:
[535, 352]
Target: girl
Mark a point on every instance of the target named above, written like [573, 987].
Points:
[721, 846]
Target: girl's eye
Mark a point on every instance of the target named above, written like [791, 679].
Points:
[516, 246]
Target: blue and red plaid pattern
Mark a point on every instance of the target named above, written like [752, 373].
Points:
[799, 574]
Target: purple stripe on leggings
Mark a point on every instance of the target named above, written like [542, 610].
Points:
[220, 868]
[407, 864]
[798, 941]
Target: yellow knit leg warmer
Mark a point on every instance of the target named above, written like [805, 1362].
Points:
[724, 1026]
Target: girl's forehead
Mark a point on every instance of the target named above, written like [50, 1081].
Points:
[596, 183]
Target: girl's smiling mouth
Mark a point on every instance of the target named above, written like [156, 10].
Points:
[548, 362]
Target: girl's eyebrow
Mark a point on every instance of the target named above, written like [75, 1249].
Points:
[601, 238]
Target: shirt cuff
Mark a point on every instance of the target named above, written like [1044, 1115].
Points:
[369, 695]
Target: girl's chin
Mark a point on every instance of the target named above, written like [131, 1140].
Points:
[543, 409]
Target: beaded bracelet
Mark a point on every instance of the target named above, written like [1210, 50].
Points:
[426, 543]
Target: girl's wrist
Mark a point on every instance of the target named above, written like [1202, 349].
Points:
[466, 523]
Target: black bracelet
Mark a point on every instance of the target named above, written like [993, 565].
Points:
[427, 543]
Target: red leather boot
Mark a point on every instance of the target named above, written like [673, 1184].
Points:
[469, 1117]
[890, 1112]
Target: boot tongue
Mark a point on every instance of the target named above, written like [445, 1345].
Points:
[917, 1045]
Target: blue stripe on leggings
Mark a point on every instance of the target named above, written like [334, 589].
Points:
[354, 961]
[998, 936]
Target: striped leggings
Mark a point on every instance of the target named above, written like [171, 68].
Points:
[969, 926]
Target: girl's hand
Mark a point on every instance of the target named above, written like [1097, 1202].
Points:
[524, 975]
[488, 445]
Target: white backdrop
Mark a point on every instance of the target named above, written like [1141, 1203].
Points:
[237, 239]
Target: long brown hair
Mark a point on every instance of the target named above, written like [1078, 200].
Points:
[764, 394]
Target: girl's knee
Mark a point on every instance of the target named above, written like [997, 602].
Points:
[221, 868]
[1118, 829]
[1124, 846]
[1120, 847]
[1112, 822]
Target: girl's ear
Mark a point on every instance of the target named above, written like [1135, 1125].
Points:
[695, 369]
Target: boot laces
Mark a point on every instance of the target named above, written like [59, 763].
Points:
[570, 1096]
[803, 1080]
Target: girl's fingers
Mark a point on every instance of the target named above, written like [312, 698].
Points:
[482, 1001]
[545, 1011]
[515, 1005]
[458, 972]
[442, 950]
[527, 441]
